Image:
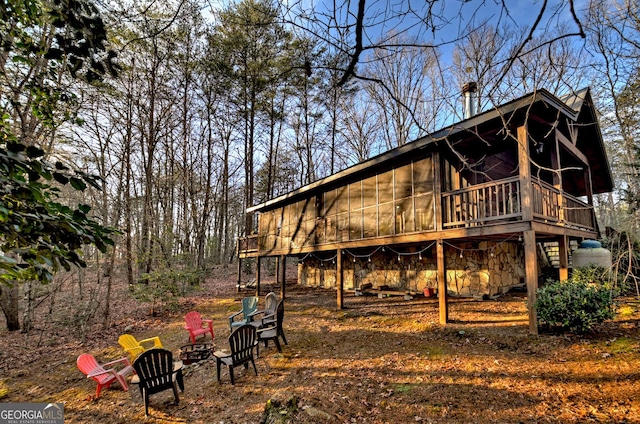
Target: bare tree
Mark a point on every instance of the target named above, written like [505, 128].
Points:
[397, 82]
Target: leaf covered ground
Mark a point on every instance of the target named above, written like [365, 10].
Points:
[378, 360]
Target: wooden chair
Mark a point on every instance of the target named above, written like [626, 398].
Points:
[268, 313]
[105, 374]
[271, 330]
[135, 347]
[241, 342]
[157, 372]
[197, 326]
[249, 306]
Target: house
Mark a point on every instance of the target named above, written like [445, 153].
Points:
[467, 210]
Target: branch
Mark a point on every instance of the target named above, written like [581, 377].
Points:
[358, 47]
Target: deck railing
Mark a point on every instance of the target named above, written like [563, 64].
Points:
[498, 201]
[577, 212]
[482, 204]
[547, 207]
[248, 243]
[495, 202]
[546, 201]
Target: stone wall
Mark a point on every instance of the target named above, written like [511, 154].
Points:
[473, 269]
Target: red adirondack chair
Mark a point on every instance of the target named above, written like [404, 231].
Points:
[105, 374]
[197, 326]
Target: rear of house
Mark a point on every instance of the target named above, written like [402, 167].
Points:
[473, 209]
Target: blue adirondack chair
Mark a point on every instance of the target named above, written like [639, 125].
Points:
[244, 315]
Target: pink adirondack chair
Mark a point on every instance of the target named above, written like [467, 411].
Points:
[105, 374]
[197, 326]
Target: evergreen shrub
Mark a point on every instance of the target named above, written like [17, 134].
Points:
[578, 304]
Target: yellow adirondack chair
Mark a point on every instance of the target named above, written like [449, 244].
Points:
[135, 347]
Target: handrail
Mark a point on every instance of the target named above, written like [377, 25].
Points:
[248, 243]
[481, 204]
[550, 201]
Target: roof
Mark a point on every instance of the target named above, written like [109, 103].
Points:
[575, 106]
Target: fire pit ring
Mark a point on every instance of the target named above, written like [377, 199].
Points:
[195, 352]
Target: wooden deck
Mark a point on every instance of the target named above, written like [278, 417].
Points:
[476, 211]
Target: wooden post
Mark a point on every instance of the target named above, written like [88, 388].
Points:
[531, 272]
[563, 257]
[258, 276]
[283, 275]
[556, 164]
[529, 236]
[524, 166]
[437, 190]
[443, 305]
[339, 279]
[589, 189]
[239, 275]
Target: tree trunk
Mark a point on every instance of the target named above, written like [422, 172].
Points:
[9, 304]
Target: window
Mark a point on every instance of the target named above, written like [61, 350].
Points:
[403, 211]
[342, 209]
[423, 188]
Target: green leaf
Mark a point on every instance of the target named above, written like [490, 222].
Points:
[7, 259]
[34, 152]
[77, 184]
[62, 179]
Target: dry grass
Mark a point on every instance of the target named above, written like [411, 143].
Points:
[376, 361]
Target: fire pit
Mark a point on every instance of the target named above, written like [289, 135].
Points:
[195, 352]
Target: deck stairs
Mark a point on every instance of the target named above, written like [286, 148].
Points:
[551, 251]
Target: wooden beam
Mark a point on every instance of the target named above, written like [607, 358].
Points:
[540, 227]
[531, 277]
[427, 236]
[239, 275]
[258, 276]
[524, 167]
[563, 257]
[443, 304]
[339, 280]
[571, 148]
[589, 189]
[530, 250]
[556, 164]
[283, 275]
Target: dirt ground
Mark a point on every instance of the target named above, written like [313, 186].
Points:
[379, 360]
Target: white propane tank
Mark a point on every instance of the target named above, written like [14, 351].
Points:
[591, 252]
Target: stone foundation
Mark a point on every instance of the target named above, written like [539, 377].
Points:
[473, 269]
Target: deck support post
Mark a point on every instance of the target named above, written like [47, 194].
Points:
[339, 280]
[443, 305]
[258, 276]
[563, 257]
[282, 275]
[531, 272]
[529, 236]
[239, 274]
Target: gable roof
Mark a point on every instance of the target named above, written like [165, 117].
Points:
[577, 106]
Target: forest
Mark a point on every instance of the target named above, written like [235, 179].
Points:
[136, 133]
